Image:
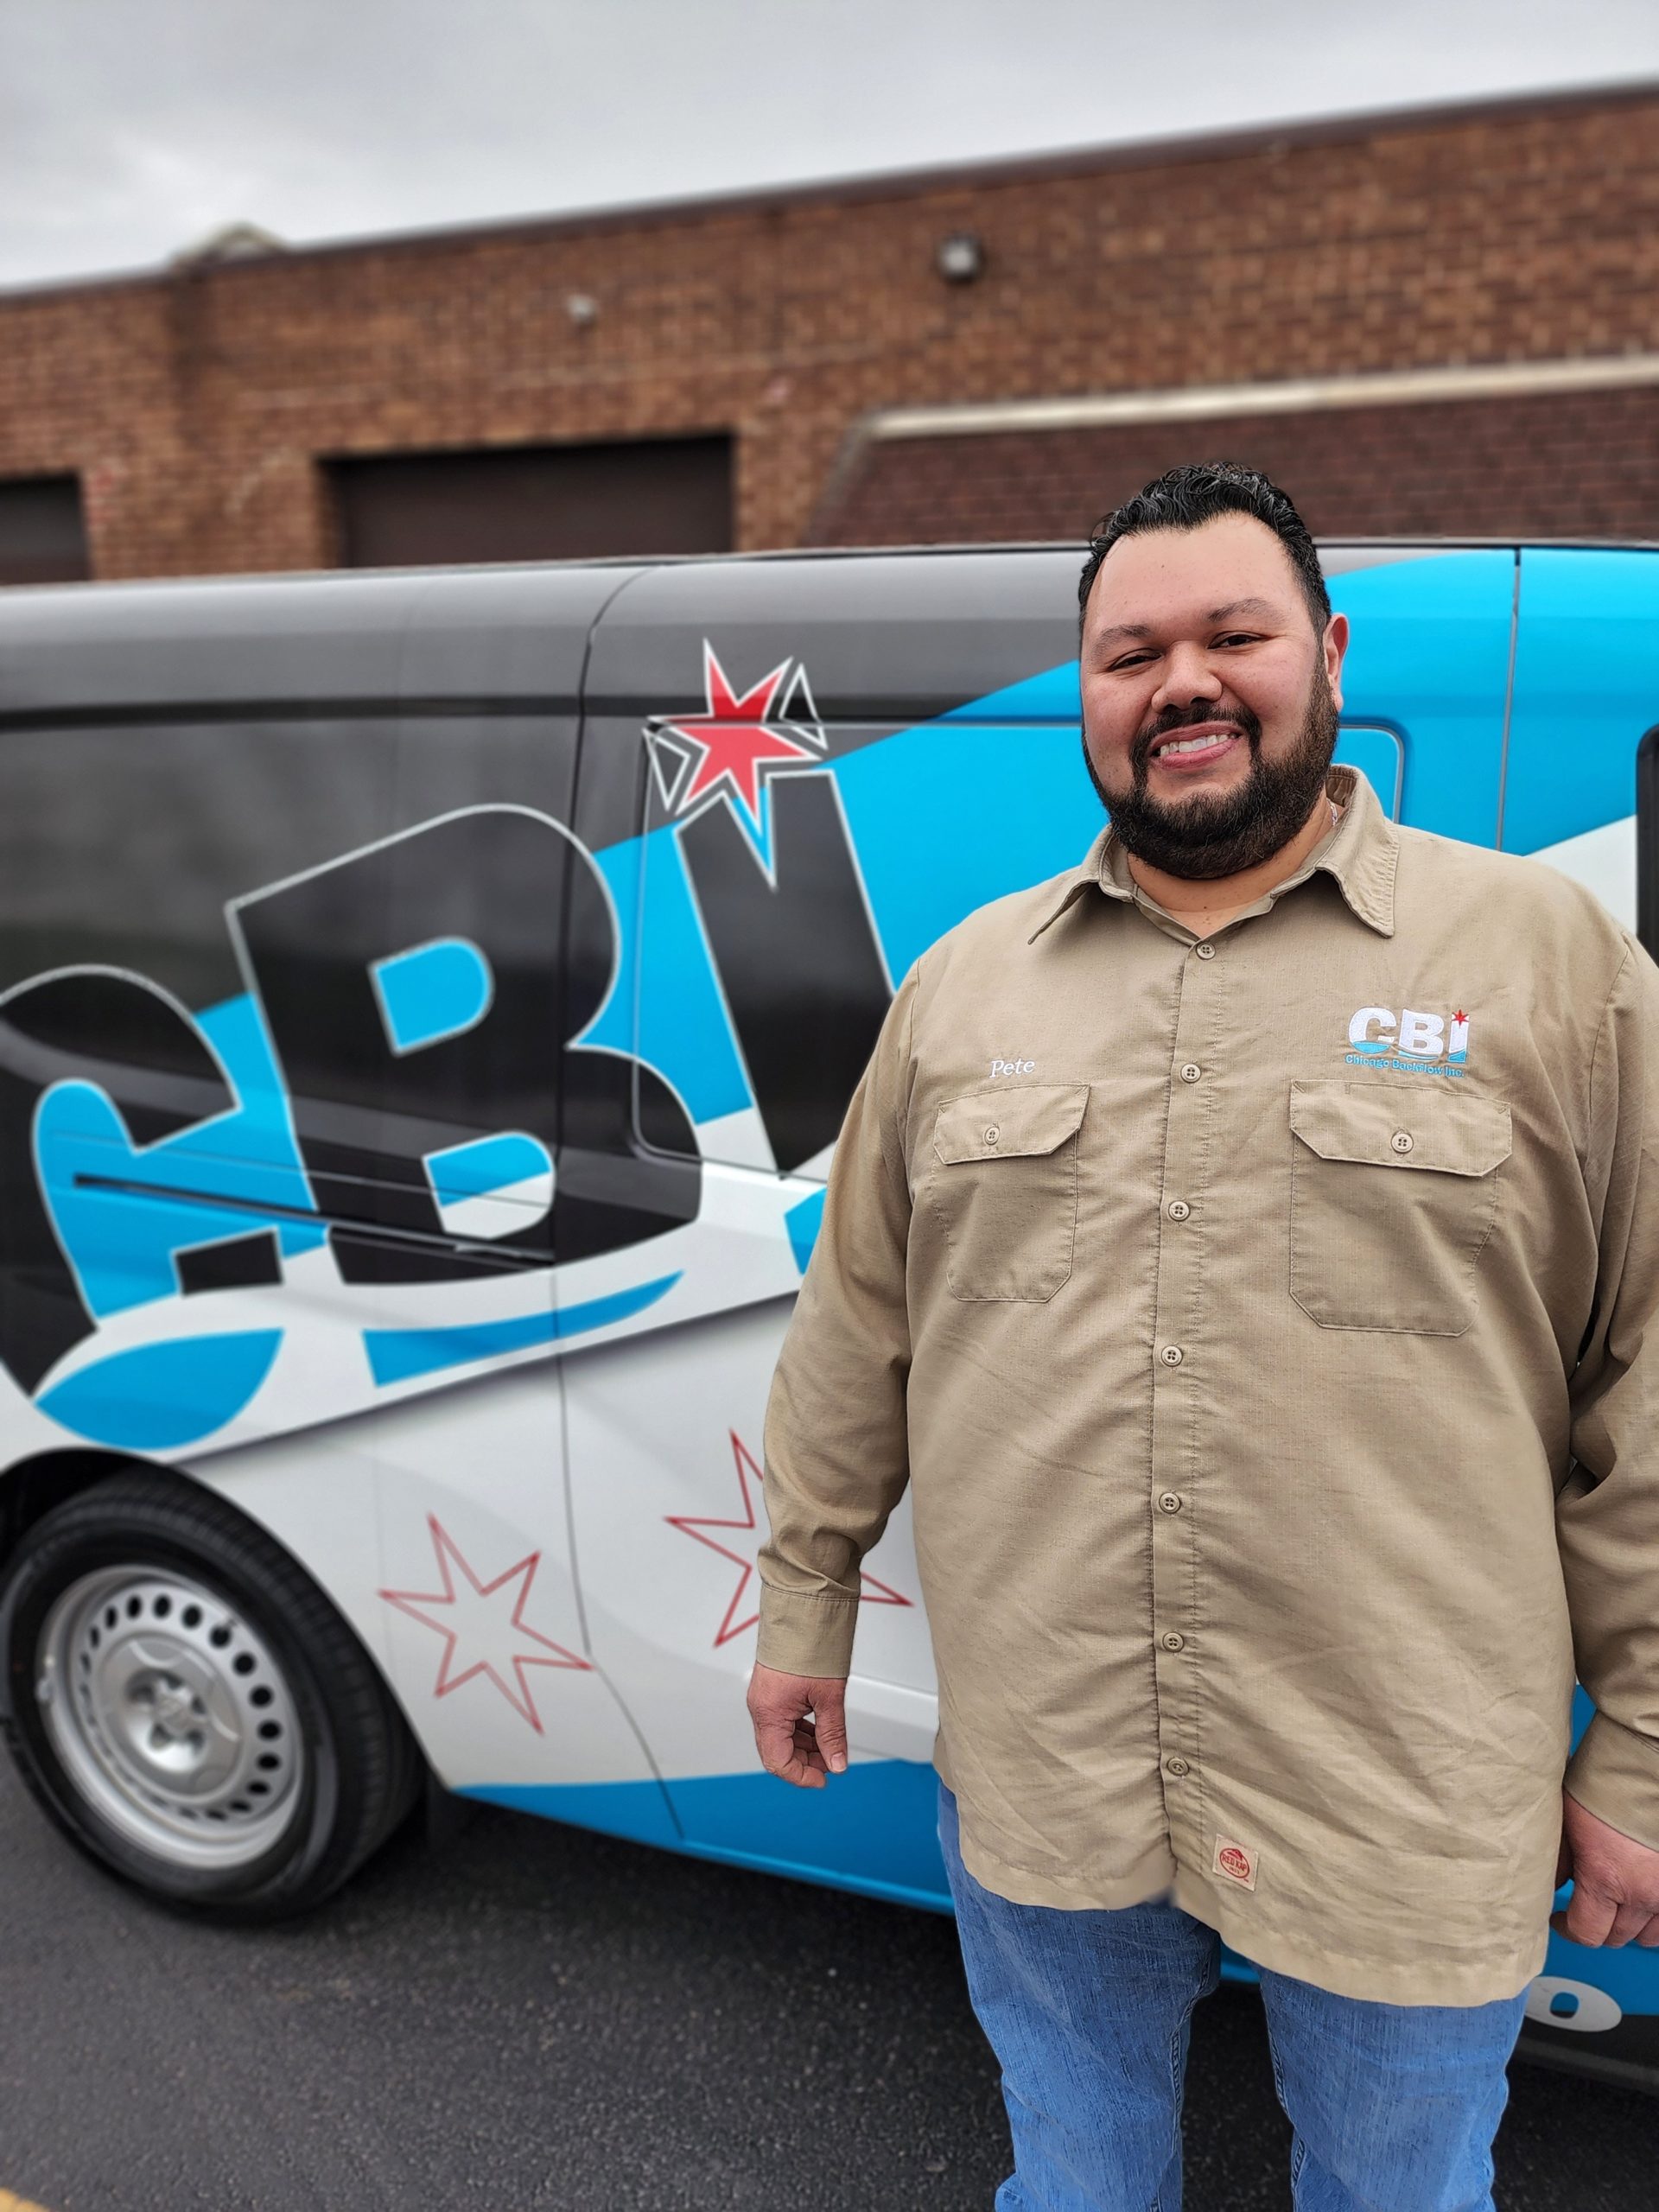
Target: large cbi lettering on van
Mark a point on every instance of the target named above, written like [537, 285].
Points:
[362, 1072]
[334, 1035]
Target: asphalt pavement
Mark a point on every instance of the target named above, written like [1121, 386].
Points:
[530, 2017]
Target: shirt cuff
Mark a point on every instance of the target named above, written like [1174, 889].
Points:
[804, 1633]
[1615, 1774]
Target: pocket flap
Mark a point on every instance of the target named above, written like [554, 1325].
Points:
[1441, 1130]
[1009, 1124]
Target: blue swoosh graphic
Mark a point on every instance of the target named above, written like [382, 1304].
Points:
[394, 1355]
[154, 1397]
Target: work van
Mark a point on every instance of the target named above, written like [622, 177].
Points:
[428, 1002]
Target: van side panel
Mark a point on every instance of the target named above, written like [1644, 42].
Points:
[1586, 689]
[393, 1096]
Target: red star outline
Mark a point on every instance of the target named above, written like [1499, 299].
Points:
[733, 739]
[410, 1601]
[1459, 1015]
[693, 1524]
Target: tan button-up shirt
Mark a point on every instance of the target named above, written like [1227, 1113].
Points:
[1269, 1343]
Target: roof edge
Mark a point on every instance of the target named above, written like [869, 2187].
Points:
[1183, 147]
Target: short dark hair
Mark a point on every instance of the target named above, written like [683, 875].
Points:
[1186, 498]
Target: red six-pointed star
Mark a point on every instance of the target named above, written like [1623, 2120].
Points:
[747, 1534]
[733, 739]
[488, 1637]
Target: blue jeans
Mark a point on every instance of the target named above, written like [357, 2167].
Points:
[1394, 2106]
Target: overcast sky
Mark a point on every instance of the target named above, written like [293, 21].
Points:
[130, 129]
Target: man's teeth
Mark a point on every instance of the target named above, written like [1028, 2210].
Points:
[1195, 744]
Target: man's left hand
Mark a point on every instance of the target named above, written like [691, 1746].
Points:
[1615, 1883]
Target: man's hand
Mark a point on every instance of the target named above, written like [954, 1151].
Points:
[1615, 1882]
[798, 1749]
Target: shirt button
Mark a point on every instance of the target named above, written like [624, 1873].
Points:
[1205, 951]
[1179, 1210]
[992, 1134]
[1172, 1640]
[1400, 1141]
[1190, 1072]
[1171, 1502]
[1172, 1355]
[1176, 1767]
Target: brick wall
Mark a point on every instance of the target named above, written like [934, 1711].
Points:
[196, 405]
[1563, 465]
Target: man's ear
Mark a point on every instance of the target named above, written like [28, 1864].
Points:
[1334, 645]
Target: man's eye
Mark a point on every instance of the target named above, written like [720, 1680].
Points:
[1127, 661]
[1238, 637]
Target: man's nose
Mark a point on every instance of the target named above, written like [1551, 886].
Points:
[1187, 675]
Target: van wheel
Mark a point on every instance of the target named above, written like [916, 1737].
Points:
[190, 1707]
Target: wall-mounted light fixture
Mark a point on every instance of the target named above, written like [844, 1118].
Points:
[581, 307]
[960, 257]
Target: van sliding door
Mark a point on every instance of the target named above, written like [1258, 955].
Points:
[796, 775]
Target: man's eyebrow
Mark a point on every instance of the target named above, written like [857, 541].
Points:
[1241, 606]
[1121, 630]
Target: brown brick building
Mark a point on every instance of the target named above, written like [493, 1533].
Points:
[1444, 320]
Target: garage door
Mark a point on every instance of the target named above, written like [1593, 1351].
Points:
[535, 502]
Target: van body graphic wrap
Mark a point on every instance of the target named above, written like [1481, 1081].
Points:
[92, 1061]
[391, 1095]
[415, 1106]
[807, 916]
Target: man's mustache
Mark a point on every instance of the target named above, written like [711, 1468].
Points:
[1189, 717]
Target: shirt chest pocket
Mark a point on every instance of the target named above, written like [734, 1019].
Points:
[1003, 1189]
[1392, 1199]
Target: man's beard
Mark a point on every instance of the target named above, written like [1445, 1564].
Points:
[1206, 837]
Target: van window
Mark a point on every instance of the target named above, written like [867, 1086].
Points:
[293, 977]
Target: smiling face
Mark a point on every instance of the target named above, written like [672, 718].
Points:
[1210, 699]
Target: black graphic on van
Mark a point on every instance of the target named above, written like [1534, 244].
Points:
[398, 1084]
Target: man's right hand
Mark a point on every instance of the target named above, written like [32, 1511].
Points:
[800, 1725]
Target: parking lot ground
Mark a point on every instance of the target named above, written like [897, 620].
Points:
[536, 2018]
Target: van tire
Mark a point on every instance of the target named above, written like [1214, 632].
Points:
[157, 1649]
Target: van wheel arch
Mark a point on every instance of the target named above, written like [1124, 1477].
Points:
[33, 1487]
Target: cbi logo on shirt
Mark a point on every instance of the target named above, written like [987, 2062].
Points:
[1411, 1040]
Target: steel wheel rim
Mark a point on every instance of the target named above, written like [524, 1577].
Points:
[171, 1716]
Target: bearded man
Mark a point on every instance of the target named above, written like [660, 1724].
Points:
[1269, 1361]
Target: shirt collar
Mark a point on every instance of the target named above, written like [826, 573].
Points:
[1361, 853]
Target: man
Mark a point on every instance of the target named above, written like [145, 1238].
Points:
[1269, 1365]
